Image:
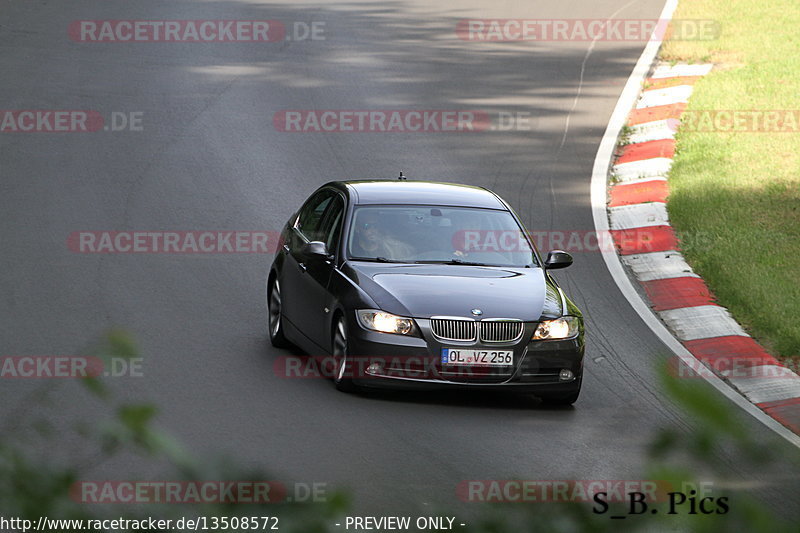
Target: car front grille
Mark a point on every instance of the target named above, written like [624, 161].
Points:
[452, 329]
[466, 330]
[500, 330]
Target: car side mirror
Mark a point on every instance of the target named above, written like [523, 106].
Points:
[558, 259]
[316, 250]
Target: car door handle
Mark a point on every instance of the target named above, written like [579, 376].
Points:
[303, 268]
[286, 248]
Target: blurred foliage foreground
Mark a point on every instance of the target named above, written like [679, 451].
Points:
[32, 486]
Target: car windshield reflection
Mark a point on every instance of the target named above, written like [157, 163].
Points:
[438, 235]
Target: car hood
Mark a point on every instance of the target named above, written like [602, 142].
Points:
[422, 291]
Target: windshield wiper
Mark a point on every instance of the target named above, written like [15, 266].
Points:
[379, 259]
[453, 261]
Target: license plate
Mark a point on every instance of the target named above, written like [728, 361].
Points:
[458, 356]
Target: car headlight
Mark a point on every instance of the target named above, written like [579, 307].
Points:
[560, 328]
[385, 322]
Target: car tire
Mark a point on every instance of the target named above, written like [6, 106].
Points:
[340, 351]
[563, 399]
[275, 315]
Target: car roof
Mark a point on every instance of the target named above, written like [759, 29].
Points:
[365, 192]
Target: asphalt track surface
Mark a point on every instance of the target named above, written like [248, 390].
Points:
[210, 158]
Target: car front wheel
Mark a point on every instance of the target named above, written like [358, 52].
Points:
[342, 381]
[275, 314]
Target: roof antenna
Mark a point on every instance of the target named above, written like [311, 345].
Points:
[401, 177]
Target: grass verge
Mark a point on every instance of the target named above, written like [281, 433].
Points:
[735, 195]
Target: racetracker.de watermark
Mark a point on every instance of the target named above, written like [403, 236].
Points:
[636, 30]
[173, 242]
[379, 367]
[580, 490]
[68, 366]
[199, 492]
[734, 367]
[68, 121]
[400, 121]
[482, 241]
[380, 120]
[738, 121]
[573, 241]
[194, 31]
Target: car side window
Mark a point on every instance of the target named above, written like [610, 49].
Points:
[311, 214]
[332, 224]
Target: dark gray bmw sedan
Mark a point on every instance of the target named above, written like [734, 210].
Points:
[422, 284]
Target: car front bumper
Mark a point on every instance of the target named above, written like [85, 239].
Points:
[384, 360]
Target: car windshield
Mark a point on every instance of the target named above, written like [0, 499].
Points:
[430, 234]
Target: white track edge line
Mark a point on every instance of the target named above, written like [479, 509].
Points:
[599, 183]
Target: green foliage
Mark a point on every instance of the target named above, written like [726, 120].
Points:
[31, 487]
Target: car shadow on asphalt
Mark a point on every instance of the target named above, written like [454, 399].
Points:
[480, 399]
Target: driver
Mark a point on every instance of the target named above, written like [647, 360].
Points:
[370, 240]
